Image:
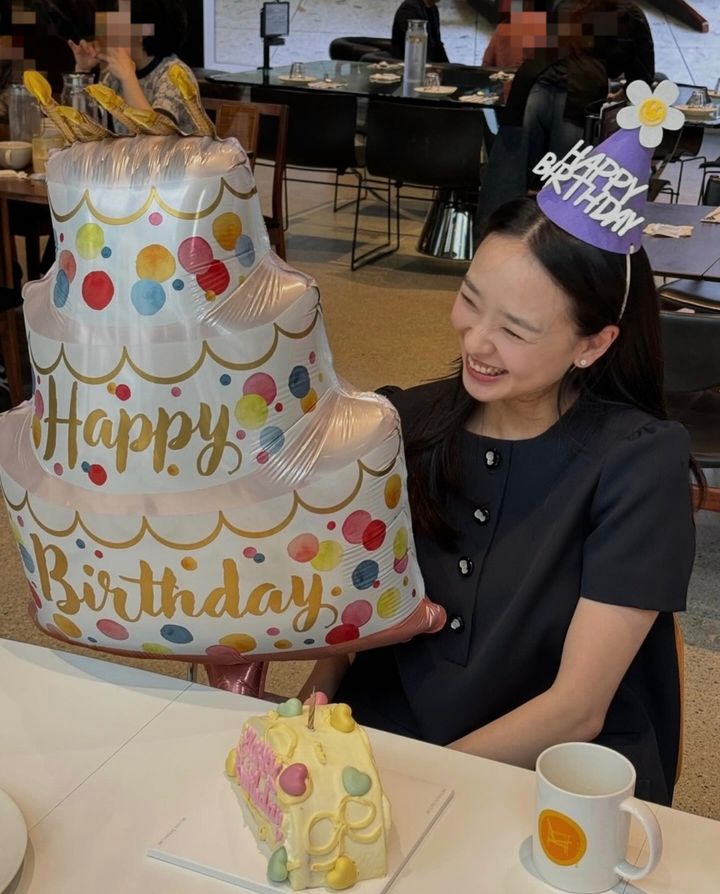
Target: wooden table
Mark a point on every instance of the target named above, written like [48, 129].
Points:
[35, 192]
[694, 257]
[96, 753]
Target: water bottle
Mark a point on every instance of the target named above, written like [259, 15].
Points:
[415, 55]
[74, 95]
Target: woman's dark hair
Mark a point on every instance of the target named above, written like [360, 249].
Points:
[169, 19]
[630, 371]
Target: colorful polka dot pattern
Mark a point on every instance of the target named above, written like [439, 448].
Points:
[156, 264]
[360, 549]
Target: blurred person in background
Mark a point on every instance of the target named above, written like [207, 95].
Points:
[136, 44]
[521, 30]
[554, 89]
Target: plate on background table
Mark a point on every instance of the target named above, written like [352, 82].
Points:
[387, 78]
[699, 113]
[438, 90]
[386, 66]
[13, 839]
[297, 79]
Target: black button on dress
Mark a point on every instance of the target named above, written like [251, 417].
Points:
[465, 566]
[481, 515]
[598, 506]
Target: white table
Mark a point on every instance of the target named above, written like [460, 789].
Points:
[94, 753]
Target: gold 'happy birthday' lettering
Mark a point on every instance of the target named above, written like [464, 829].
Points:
[157, 594]
[137, 433]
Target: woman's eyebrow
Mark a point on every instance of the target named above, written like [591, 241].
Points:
[518, 321]
[524, 324]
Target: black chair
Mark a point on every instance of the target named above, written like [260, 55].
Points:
[321, 132]
[601, 120]
[427, 145]
[695, 294]
[706, 167]
[692, 379]
[361, 49]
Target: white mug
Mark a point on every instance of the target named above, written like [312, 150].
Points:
[582, 821]
[15, 154]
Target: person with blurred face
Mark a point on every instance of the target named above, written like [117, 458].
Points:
[135, 46]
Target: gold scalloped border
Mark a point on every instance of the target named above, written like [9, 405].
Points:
[205, 352]
[153, 197]
[222, 522]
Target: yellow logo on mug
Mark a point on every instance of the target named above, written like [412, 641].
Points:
[562, 840]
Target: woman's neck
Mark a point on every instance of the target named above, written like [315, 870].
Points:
[517, 420]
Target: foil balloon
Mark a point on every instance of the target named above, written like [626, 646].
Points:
[191, 479]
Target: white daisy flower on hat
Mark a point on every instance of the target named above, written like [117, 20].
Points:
[651, 111]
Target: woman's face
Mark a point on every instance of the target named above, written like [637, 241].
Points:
[513, 322]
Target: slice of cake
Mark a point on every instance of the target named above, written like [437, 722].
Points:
[312, 795]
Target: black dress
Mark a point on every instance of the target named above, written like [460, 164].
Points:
[599, 506]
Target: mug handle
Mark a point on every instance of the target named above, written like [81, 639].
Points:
[649, 822]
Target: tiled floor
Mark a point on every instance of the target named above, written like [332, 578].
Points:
[681, 53]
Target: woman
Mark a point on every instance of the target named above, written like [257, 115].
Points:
[552, 513]
[137, 49]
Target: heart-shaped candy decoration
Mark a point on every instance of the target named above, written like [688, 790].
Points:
[343, 874]
[293, 779]
[277, 870]
[355, 782]
[342, 719]
[291, 708]
[230, 762]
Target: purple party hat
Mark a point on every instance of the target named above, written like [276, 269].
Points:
[598, 193]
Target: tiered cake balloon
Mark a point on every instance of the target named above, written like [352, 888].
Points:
[191, 479]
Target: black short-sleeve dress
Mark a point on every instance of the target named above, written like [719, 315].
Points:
[597, 506]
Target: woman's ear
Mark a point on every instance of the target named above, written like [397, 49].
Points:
[594, 346]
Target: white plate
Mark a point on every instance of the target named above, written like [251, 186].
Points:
[13, 839]
[199, 840]
[385, 78]
[385, 66]
[303, 79]
[701, 112]
[440, 90]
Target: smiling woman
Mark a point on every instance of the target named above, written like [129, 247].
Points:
[552, 514]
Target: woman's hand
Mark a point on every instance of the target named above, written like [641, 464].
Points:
[86, 55]
[119, 63]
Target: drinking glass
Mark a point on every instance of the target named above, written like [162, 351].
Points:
[432, 78]
[297, 70]
[24, 115]
[698, 98]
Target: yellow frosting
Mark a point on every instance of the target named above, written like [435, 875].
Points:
[331, 837]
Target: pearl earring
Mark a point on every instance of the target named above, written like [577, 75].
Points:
[582, 363]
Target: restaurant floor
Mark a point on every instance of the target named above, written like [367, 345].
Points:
[388, 323]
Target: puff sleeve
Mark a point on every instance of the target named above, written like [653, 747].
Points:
[640, 546]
